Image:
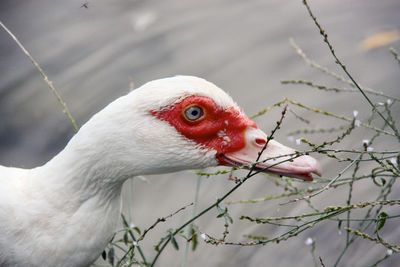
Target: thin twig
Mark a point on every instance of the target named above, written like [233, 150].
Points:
[336, 89]
[46, 79]
[338, 77]
[395, 54]
[322, 263]
[325, 36]
[327, 186]
[376, 240]
[125, 222]
[162, 219]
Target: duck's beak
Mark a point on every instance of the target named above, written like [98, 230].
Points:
[272, 159]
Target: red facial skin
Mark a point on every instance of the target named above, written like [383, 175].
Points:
[207, 131]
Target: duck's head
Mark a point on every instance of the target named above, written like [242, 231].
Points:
[185, 122]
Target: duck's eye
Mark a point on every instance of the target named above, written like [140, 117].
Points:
[194, 113]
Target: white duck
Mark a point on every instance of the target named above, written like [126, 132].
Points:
[64, 212]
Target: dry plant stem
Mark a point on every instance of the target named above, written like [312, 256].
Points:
[325, 70]
[278, 104]
[376, 240]
[344, 181]
[250, 174]
[379, 261]
[125, 222]
[190, 226]
[329, 185]
[325, 35]
[395, 54]
[162, 219]
[319, 111]
[336, 89]
[322, 263]
[383, 195]
[336, 116]
[367, 219]
[297, 229]
[316, 130]
[357, 167]
[299, 117]
[327, 211]
[46, 79]
[313, 64]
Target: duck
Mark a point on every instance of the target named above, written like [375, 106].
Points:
[65, 212]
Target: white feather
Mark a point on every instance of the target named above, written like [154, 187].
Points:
[65, 212]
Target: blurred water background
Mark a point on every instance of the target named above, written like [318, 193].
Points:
[93, 54]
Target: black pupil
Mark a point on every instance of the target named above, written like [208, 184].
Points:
[194, 113]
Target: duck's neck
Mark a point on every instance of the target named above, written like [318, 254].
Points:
[95, 162]
[81, 173]
[78, 196]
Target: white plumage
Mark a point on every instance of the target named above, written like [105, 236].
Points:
[65, 212]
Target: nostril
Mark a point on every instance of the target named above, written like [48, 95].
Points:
[260, 141]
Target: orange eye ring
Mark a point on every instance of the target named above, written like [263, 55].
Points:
[193, 113]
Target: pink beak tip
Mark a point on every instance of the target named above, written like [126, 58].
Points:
[318, 169]
[313, 167]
